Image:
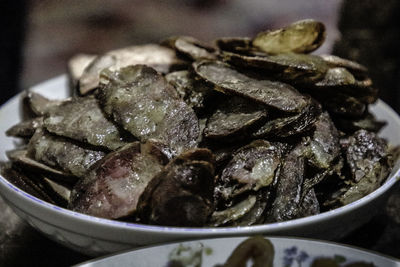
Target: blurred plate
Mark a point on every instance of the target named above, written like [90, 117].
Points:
[289, 252]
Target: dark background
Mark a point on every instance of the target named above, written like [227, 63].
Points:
[39, 36]
[13, 27]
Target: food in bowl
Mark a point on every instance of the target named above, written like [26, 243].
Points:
[249, 131]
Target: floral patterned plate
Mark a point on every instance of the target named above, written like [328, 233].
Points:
[289, 252]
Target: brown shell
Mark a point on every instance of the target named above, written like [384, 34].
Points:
[190, 47]
[111, 189]
[354, 67]
[182, 193]
[251, 168]
[60, 153]
[159, 57]
[303, 36]
[270, 93]
[233, 117]
[142, 102]
[291, 67]
[83, 120]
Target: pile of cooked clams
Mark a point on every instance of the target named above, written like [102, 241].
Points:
[240, 132]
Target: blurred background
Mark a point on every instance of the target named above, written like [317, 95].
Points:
[39, 36]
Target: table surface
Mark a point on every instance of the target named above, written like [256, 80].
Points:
[22, 245]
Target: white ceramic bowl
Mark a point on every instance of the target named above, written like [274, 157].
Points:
[288, 252]
[95, 236]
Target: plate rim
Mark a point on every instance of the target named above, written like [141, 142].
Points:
[272, 238]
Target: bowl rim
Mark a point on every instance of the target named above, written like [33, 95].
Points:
[274, 239]
[194, 231]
